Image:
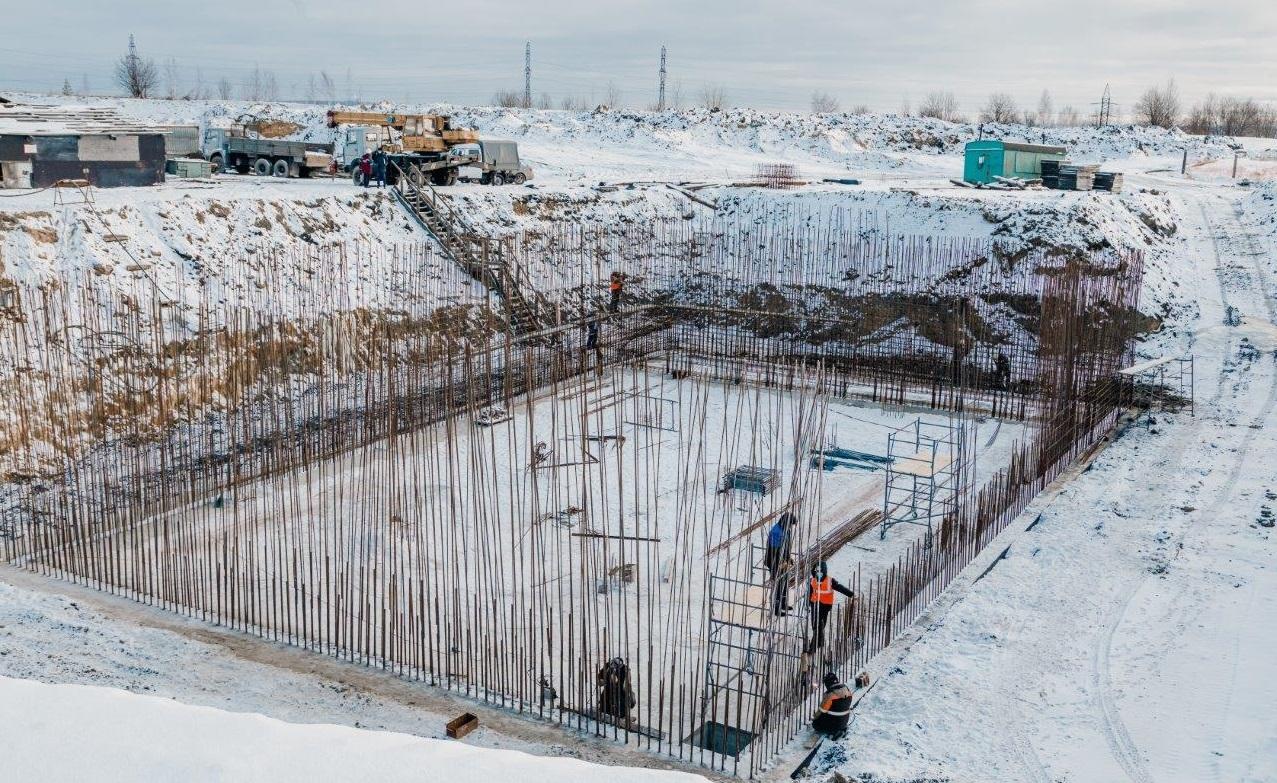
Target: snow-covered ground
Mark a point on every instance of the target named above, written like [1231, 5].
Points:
[65, 733]
[1126, 636]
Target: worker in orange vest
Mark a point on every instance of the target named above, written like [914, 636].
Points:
[835, 708]
[614, 287]
[820, 592]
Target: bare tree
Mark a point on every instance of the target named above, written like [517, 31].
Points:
[199, 91]
[860, 108]
[66, 87]
[674, 97]
[1046, 109]
[545, 102]
[270, 89]
[136, 76]
[612, 95]
[906, 109]
[170, 78]
[327, 87]
[252, 89]
[84, 84]
[823, 103]
[1001, 108]
[224, 88]
[1068, 117]
[714, 97]
[1238, 117]
[940, 105]
[509, 99]
[1159, 106]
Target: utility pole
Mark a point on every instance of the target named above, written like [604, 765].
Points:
[660, 101]
[527, 75]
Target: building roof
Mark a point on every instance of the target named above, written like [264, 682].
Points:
[1017, 146]
[33, 120]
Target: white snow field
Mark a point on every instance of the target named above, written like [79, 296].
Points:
[119, 736]
[1127, 636]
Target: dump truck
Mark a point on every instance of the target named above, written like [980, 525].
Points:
[229, 149]
[426, 148]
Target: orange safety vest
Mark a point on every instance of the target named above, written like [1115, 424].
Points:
[615, 285]
[822, 590]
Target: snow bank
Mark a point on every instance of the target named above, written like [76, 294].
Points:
[692, 142]
[80, 732]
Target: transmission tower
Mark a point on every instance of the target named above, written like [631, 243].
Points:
[527, 75]
[1104, 116]
[660, 101]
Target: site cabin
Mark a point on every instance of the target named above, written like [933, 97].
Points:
[229, 151]
[988, 159]
[105, 160]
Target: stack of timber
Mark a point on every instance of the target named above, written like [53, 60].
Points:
[1108, 180]
[1077, 176]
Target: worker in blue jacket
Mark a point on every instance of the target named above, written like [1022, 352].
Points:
[776, 557]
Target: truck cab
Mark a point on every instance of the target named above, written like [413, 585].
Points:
[357, 140]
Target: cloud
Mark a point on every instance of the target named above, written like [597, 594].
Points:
[768, 53]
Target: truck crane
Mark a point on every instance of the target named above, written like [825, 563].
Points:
[426, 148]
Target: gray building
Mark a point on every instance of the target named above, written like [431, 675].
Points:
[40, 145]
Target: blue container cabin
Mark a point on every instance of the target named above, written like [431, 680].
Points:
[987, 159]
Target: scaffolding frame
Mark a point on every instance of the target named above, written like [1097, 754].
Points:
[926, 470]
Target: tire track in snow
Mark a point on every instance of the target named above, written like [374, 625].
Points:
[1114, 728]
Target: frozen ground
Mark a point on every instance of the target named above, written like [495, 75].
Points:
[119, 736]
[549, 533]
[1128, 634]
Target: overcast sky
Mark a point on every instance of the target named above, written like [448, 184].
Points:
[768, 54]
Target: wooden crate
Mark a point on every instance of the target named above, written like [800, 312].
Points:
[189, 167]
[462, 725]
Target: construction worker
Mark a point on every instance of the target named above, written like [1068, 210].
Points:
[777, 558]
[615, 286]
[835, 708]
[379, 167]
[820, 593]
[1003, 366]
[592, 345]
[616, 696]
[365, 169]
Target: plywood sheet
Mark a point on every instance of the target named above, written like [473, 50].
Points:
[112, 148]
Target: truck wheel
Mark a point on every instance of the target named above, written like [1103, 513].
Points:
[216, 160]
[498, 179]
[280, 169]
[261, 167]
[520, 178]
[356, 176]
[416, 176]
[452, 177]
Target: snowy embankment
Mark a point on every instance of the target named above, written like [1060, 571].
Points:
[585, 146]
[80, 732]
[186, 235]
[1127, 633]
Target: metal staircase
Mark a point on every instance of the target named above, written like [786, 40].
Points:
[483, 258]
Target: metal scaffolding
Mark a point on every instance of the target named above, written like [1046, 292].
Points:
[925, 473]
